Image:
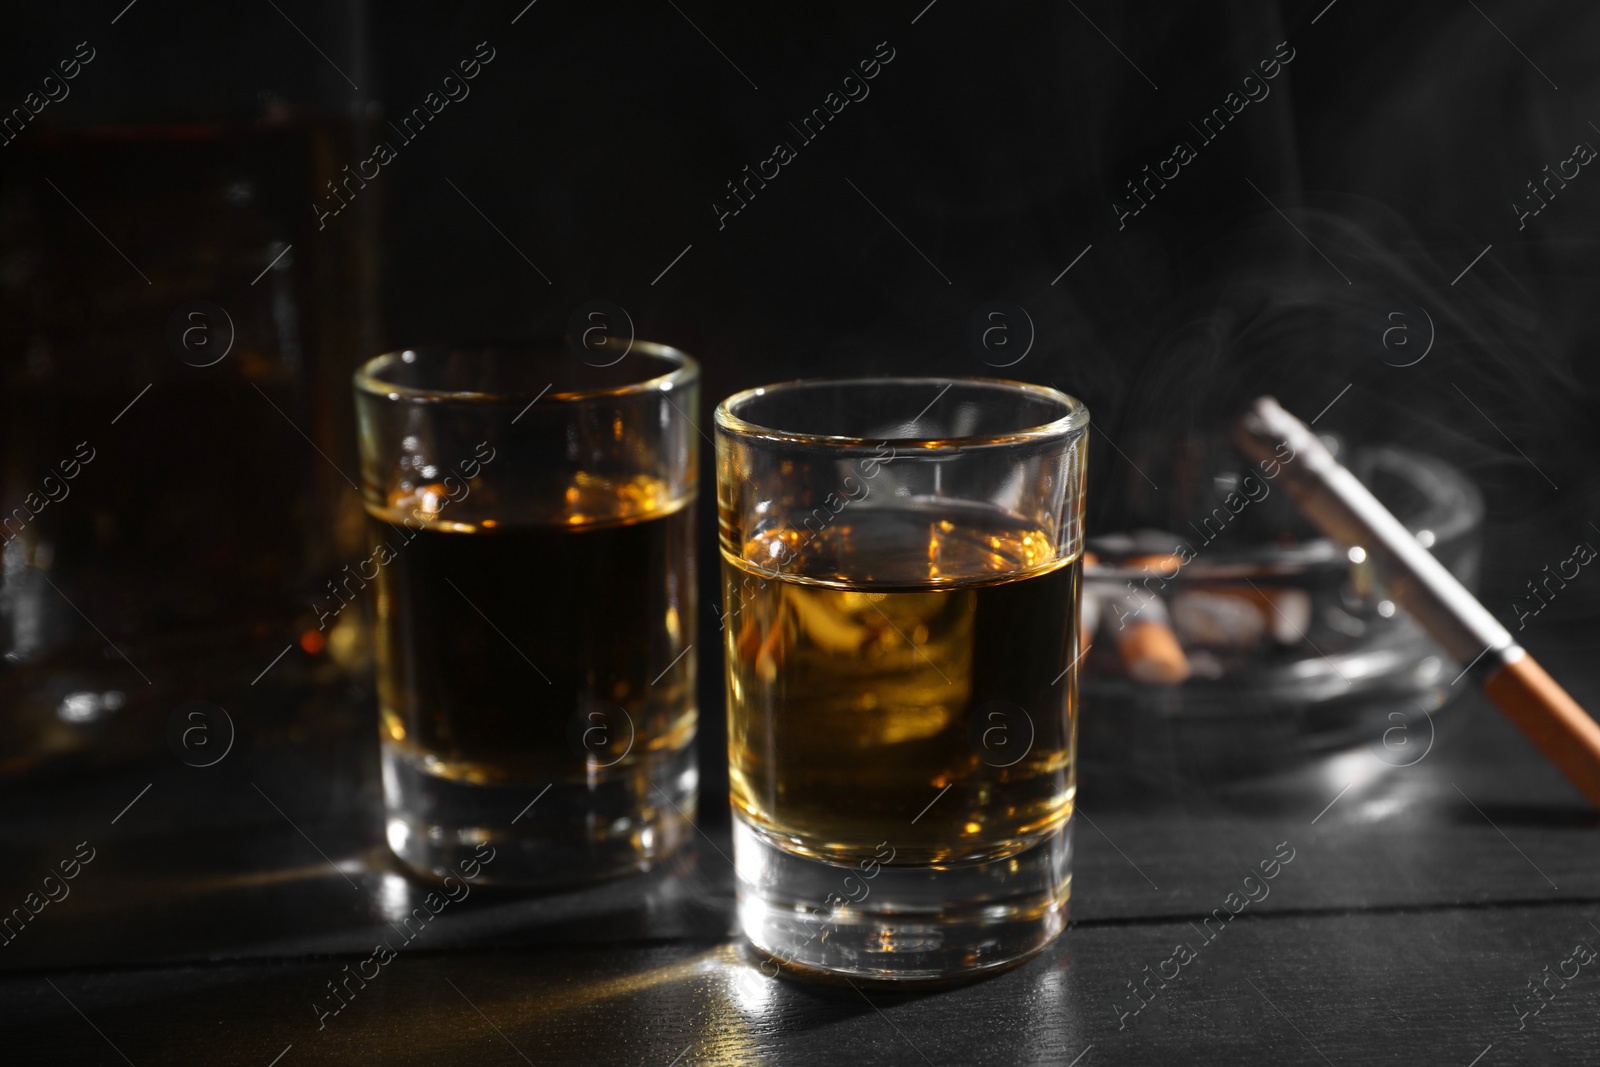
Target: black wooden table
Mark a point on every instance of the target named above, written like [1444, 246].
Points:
[1421, 908]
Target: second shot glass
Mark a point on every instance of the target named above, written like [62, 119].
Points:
[531, 518]
[901, 572]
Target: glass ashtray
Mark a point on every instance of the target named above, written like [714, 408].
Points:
[1248, 657]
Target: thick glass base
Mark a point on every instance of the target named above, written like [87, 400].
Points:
[625, 820]
[889, 923]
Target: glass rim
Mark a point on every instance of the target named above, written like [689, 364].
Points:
[1075, 419]
[366, 378]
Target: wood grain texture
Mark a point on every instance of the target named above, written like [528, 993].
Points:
[1421, 900]
[1432, 985]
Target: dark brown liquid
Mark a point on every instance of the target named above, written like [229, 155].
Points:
[523, 653]
[933, 713]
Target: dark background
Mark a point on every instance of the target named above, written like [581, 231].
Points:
[986, 160]
[997, 141]
[590, 151]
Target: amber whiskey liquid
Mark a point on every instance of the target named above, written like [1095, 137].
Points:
[526, 655]
[899, 708]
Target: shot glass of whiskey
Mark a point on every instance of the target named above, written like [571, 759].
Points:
[531, 523]
[901, 568]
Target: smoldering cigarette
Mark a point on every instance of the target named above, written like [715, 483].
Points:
[1333, 498]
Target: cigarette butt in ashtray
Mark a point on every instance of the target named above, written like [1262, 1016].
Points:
[1237, 616]
[1160, 564]
[1288, 612]
[1207, 618]
[1213, 617]
[1143, 630]
[1140, 625]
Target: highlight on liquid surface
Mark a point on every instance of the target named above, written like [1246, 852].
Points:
[529, 652]
[903, 704]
